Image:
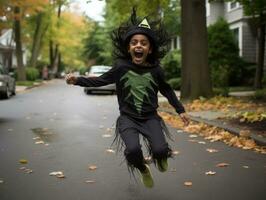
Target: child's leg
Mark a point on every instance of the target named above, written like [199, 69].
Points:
[159, 147]
[133, 150]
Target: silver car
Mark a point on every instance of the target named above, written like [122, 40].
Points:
[7, 83]
[95, 71]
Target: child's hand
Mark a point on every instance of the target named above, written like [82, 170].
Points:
[71, 79]
[185, 118]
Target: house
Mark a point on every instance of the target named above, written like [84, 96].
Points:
[244, 31]
[8, 50]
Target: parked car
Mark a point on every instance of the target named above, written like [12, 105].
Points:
[7, 83]
[95, 71]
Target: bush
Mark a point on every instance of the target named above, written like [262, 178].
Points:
[83, 70]
[227, 68]
[172, 64]
[32, 74]
[175, 83]
[260, 95]
[223, 91]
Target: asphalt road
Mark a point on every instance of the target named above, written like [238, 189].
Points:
[73, 127]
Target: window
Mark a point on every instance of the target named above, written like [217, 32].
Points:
[207, 8]
[175, 43]
[232, 6]
[236, 35]
[237, 32]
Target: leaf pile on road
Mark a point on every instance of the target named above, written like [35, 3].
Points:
[249, 116]
[220, 103]
[213, 134]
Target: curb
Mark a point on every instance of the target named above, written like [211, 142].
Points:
[258, 140]
[29, 87]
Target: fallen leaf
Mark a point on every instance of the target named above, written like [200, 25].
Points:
[22, 168]
[23, 161]
[39, 142]
[110, 151]
[188, 183]
[90, 181]
[28, 171]
[106, 135]
[60, 176]
[210, 173]
[222, 165]
[175, 152]
[212, 150]
[202, 142]
[93, 167]
[57, 173]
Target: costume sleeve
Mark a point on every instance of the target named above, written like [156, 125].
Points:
[169, 93]
[105, 79]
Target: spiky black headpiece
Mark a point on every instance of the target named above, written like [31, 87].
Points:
[154, 30]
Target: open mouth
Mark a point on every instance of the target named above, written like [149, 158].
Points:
[138, 54]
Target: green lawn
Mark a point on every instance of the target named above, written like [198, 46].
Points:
[27, 83]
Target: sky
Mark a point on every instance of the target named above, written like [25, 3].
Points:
[94, 8]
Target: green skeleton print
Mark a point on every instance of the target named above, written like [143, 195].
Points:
[139, 84]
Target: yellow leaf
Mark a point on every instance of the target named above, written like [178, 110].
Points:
[23, 161]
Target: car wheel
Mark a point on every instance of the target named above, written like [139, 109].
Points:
[7, 94]
[14, 90]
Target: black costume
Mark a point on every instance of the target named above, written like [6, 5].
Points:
[137, 88]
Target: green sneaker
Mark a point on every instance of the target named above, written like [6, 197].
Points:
[146, 177]
[162, 164]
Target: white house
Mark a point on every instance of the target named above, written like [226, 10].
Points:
[7, 50]
[244, 31]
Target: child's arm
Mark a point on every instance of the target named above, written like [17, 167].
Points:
[169, 93]
[105, 79]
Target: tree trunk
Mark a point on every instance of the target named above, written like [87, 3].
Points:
[55, 60]
[195, 72]
[260, 57]
[36, 41]
[19, 54]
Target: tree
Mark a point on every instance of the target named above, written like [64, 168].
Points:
[40, 27]
[257, 9]
[14, 12]
[195, 71]
[96, 44]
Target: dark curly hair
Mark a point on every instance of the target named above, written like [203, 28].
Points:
[157, 35]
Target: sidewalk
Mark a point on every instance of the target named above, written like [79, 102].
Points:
[21, 89]
[215, 118]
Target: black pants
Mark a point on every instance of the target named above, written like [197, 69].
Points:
[151, 129]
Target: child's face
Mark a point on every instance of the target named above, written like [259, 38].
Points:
[139, 48]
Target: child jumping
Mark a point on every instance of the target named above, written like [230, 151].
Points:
[138, 77]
